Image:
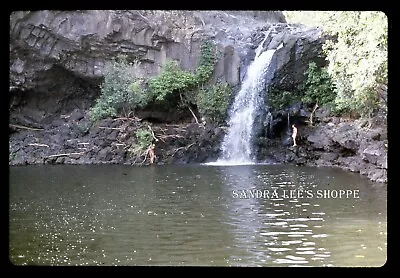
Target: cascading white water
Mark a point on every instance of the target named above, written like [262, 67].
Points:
[260, 46]
[236, 145]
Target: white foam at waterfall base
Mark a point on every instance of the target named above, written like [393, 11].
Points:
[223, 162]
[236, 145]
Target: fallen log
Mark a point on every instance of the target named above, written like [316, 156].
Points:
[25, 127]
[64, 154]
[39, 145]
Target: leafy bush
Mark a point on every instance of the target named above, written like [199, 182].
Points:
[358, 60]
[280, 99]
[181, 87]
[171, 79]
[144, 138]
[213, 102]
[120, 90]
[318, 87]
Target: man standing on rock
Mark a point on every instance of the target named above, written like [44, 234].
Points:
[294, 134]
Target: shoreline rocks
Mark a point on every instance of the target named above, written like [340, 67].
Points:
[69, 139]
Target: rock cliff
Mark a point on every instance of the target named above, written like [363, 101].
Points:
[82, 41]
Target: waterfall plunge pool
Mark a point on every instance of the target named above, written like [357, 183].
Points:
[194, 215]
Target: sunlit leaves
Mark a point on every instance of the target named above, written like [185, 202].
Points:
[357, 56]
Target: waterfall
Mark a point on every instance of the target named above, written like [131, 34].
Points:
[268, 123]
[236, 145]
[260, 46]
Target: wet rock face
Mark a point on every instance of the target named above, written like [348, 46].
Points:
[351, 145]
[300, 47]
[296, 46]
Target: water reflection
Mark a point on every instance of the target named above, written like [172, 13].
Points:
[297, 215]
[243, 215]
[188, 215]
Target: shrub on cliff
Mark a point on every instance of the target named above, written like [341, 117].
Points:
[213, 102]
[318, 86]
[178, 87]
[120, 90]
[170, 79]
[208, 59]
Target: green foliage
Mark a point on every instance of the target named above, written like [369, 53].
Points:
[207, 62]
[135, 150]
[213, 102]
[102, 110]
[83, 128]
[120, 90]
[13, 155]
[280, 99]
[318, 87]
[171, 79]
[144, 138]
[138, 97]
[357, 57]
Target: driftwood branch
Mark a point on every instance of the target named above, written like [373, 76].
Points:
[135, 119]
[194, 116]
[115, 128]
[312, 114]
[170, 136]
[163, 130]
[64, 154]
[188, 106]
[39, 145]
[25, 127]
[152, 133]
[180, 148]
[145, 156]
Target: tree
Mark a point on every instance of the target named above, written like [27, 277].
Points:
[357, 55]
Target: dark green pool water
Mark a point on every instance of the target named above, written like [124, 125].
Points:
[251, 215]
